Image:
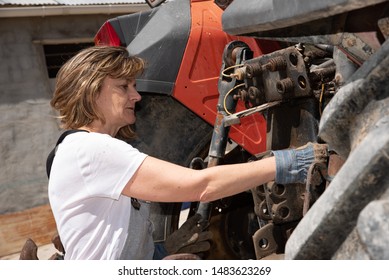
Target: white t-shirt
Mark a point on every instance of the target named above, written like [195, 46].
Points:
[88, 174]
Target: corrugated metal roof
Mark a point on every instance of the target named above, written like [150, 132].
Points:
[66, 2]
[28, 2]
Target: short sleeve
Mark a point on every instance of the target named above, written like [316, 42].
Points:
[107, 164]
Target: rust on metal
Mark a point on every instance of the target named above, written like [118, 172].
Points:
[317, 172]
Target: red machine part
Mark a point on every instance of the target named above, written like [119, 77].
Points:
[197, 81]
[107, 36]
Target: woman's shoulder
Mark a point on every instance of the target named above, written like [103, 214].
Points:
[93, 141]
[85, 135]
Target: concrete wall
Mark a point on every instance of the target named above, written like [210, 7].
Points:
[28, 128]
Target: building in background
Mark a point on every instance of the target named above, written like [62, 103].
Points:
[36, 38]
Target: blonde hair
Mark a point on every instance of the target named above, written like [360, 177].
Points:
[80, 79]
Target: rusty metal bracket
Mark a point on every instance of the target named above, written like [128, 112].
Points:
[317, 172]
[264, 241]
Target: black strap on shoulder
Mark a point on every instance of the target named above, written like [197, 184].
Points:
[50, 157]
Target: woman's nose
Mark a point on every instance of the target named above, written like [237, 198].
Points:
[135, 96]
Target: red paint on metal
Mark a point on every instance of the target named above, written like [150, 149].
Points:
[197, 81]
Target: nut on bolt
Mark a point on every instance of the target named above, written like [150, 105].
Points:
[285, 86]
[276, 64]
[253, 70]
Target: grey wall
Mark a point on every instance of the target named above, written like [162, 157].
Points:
[28, 129]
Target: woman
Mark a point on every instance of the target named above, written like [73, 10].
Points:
[95, 174]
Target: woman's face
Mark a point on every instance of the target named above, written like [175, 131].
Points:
[116, 102]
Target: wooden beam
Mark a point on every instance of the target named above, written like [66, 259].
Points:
[36, 223]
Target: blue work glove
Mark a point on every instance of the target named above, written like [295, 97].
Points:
[292, 164]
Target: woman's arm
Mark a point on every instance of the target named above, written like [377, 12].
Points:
[161, 181]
